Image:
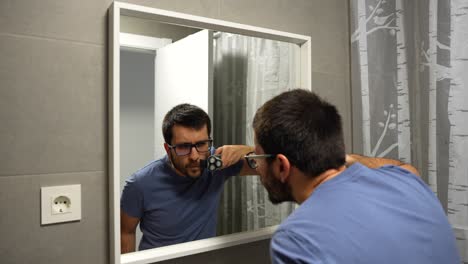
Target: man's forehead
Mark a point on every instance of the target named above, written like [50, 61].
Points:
[183, 134]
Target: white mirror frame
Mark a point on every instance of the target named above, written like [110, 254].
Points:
[179, 250]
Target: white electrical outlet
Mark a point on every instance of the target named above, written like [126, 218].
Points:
[60, 204]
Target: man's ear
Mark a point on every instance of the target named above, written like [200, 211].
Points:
[166, 147]
[282, 167]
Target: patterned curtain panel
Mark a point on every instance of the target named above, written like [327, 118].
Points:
[409, 63]
[247, 72]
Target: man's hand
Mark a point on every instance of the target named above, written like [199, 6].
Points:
[349, 160]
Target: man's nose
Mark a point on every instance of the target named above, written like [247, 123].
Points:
[194, 153]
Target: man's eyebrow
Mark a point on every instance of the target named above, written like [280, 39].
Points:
[189, 143]
[183, 143]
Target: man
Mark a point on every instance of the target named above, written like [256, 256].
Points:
[370, 211]
[174, 199]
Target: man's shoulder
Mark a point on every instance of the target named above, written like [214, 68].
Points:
[150, 168]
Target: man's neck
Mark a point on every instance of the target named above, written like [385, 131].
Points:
[301, 193]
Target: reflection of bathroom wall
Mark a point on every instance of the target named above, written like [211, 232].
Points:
[54, 112]
[151, 28]
[136, 112]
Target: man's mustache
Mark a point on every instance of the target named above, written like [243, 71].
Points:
[196, 164]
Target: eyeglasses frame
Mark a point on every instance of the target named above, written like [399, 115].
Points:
[250, 155]
[209, 140]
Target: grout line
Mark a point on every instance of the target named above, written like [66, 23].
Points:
[51, 38]
[52, 173]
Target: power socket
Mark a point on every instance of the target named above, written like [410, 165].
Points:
[60, 204]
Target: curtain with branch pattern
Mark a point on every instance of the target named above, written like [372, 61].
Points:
[409, 64]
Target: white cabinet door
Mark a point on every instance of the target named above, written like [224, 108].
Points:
[184, 74]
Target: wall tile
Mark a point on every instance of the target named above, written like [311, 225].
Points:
[54, 106]
[330, 53]
[335, 89]
[325, 21]
[84, 20]
[24, 240]
[274, 14]
[299, 16]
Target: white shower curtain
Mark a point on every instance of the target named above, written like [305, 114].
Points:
[409, 63]
[248, 72]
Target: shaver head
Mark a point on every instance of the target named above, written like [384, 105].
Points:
[212, 163]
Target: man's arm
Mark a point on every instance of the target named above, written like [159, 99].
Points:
[378, 162]
[128, 226]
[231, 154]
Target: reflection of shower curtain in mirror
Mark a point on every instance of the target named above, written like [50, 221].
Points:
[247, 72]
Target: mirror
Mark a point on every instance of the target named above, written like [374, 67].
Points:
[160, 59]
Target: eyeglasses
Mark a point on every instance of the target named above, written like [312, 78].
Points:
[186, 148]
[250, 158]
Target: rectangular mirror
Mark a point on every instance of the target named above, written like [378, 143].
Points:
[159, 59]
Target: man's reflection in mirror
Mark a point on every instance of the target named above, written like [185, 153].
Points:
[174, 199]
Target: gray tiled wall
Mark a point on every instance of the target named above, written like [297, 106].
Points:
[53, 112]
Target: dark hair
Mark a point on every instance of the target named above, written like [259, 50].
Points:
[186, 115]
[304, 128]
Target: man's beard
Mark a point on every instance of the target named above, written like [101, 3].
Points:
[278, 192]
[187, 170]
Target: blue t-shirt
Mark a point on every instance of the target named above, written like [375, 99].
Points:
[174, 209]
[367, 216]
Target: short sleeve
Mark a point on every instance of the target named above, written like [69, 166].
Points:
[131, 201]
[289, 248]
